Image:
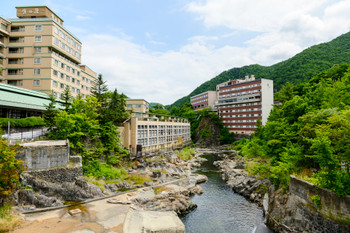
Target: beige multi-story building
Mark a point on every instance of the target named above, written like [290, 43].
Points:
[137, 105]
[145, 133]
[38, 53]
[150, 133]
[203, 100]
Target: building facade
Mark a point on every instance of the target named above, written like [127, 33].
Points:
[203, 100]
[149, 134]
[38, 53]
[16, 102]
[242, 102]
[137, 105]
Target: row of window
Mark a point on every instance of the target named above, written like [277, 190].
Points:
[67, 38]
[63, 86]
[66, 48]
[232, 100]
[240, 88]
[200, 101]
[240, 105]
[242, 110]
[64, 66]
[241, 115]
[241, 126]
[241, 93]
[239, 121]
[199, 97]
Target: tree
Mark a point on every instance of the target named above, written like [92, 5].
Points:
[10, 170]
[50, 113]
[67, 98]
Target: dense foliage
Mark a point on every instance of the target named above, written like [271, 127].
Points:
[23, 122]
[91, 126]
[309, 134]
[10, 170]
[297, 69]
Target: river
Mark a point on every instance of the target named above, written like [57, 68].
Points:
[220, 210]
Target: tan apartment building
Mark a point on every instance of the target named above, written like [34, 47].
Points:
[149, 133]
[38, 53]
[145, 133]
[203, 100]
[137, 105]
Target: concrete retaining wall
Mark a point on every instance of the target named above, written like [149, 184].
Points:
[40, 155]
[58, 175]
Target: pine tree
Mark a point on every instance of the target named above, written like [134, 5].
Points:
[50, 113]
[67, 98]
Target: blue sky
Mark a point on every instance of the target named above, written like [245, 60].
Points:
[160, 50]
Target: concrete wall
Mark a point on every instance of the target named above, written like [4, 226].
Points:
[298, 212]
[330, 202]
[44, 154]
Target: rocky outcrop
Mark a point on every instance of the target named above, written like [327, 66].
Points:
[208, 133]
[232, 171]
[295, 210]
[26, 197]
[78, 190]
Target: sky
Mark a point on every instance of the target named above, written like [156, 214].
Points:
[161, 50]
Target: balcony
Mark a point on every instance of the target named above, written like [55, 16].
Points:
[16, 39]
[16, 50]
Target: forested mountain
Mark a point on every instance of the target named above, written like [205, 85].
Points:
[297, 69]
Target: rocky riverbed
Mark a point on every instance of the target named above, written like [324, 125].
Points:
[232, 171]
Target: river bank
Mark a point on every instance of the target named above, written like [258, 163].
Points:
[168, 191]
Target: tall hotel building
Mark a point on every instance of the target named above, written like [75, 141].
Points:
[241, 102]
[203, 100]
[38, 53]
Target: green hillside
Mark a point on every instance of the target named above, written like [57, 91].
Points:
[297, 69]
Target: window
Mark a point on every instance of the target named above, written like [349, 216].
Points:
[15, 82]
[62, 65]
[37, 39]
[38, 27]
[73, 71]
[4, 27]
[17, 29]
[16, 50]
[55, 62]
[36, 82]
[73, 89]
[15, 60]
[37, 49]
[54, 83]
[57, 41]
[37, 71]
[55, 73]
[62, 76]
[15, 72]
[68, 68]
[73, 80]
[37, 60]
[56, 30]
[16, 39]
[61, 85]
[67, 78]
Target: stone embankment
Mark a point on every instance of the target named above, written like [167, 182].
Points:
[232, 171]
[307, 208]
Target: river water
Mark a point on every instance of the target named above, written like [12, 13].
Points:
[220, 210]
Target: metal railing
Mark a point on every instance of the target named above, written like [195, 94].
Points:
[25, 135]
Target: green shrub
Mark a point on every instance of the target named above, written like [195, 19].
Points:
[99, 170]
[317, 201]
[23, 122]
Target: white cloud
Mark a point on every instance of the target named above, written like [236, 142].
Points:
[287, 27]
[82, 17]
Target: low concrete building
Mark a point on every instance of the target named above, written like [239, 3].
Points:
[44, 154]
[150, 133]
